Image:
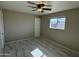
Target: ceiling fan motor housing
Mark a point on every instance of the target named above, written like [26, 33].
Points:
[40, 5]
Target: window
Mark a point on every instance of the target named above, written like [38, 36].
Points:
[57, 23]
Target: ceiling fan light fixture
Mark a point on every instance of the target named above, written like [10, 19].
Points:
[39, 10]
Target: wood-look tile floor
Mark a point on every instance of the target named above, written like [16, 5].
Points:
[24, 48]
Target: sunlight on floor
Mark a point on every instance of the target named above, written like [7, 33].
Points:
[37, 53]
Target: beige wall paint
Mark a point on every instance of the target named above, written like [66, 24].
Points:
[1, 31]
[18, 25]
[68, 37]
[37, 26]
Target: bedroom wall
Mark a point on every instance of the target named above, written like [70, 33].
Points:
[37, 26]
[18, 25]
[68, 37]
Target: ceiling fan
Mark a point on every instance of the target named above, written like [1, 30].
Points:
[41, 6]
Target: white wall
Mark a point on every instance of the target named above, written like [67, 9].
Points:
[1, 31]
[68, 37]
[37, 26]
[18, 25]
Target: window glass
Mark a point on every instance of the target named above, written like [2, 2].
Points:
[57, 23]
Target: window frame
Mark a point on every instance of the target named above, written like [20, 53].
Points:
[57, 19]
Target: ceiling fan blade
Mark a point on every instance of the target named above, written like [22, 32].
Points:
[31, 3]
[48, 5]
[34, 10]
[31, 6]
[47, 9]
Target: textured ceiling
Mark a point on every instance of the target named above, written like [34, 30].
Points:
[21, 6]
